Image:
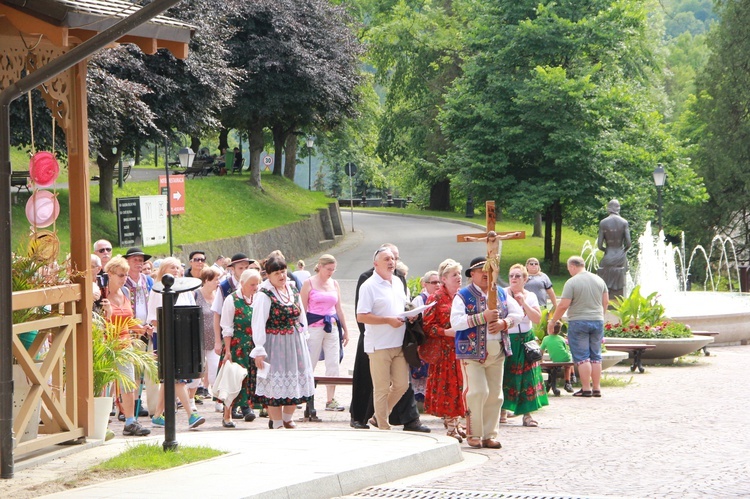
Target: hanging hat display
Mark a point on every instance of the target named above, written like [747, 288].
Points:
[44, 246]
[42, 209]
[44, 169]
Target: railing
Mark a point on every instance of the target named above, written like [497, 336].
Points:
[57, 384]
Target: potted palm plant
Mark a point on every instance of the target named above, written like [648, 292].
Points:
[110, 350]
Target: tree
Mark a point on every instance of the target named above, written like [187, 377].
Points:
[301, 68]
[556, 113]
[720, 127]
[416, 48]
[136, 98]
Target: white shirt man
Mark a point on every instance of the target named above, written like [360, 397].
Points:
[381, 300]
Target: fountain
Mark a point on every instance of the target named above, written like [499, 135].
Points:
[662, 269]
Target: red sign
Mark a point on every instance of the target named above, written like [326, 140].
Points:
[176, 192]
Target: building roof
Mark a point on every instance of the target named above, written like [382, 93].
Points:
[84, 18]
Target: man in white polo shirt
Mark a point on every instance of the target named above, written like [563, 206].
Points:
[381, 300]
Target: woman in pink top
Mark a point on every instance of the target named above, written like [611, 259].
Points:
[321, 298]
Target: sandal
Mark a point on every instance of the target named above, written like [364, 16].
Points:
[597, 393]
[503, 417]
[583, 393]
[529, 421]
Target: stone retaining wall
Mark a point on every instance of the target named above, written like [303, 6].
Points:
[297, 240]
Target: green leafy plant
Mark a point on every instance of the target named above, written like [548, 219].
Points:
[540, 330]
[112, 349]
[638, 310]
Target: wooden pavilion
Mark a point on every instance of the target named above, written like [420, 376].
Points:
[33, 34]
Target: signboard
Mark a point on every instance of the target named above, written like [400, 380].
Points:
[177, 190]
[153, 219]
[129, 222]
[350, 169]
[268, 162]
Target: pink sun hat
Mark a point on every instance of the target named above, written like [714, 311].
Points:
[44, 169]
[42, 209]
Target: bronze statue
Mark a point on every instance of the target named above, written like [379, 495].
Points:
[614, 241]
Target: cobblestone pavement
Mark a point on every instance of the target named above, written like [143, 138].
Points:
[674, 431]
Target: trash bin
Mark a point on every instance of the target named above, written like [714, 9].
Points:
[188, 342]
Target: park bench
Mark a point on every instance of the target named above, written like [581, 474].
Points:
[237, 167]
[635, 351]
[310, 412]
[555, 371]
[20, 180]
[706, 333]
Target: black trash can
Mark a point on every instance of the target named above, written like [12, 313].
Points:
[188, 342]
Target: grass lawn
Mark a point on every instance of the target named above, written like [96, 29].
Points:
[216, 208]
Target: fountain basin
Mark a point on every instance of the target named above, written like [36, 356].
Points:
[725, 313]
[667, 349]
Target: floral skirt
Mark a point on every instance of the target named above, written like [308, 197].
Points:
[523, 385]
[290, 380]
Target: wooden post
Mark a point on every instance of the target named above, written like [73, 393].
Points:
[80, 242]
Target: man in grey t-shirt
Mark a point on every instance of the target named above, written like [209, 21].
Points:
[585, 297]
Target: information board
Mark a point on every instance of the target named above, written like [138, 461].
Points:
[129, 222]
[153, 219]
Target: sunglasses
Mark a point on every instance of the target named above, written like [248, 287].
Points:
[121, 276]
[533, 263]
[433, 282]
[515, 276]
[199, 259]
[104, 250]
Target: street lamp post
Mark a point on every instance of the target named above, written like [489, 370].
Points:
[660, 177]
[310, 141]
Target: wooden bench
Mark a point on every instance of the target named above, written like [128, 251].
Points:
[20, 180]
[310, 412]
[706, 333]
[554, 371]
[635, 351]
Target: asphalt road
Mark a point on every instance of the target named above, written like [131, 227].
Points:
[423, 242]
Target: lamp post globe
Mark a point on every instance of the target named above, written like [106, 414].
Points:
[660, 178]
[310, 141]
[186, 156]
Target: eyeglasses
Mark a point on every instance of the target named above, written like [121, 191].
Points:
[515, 276]
[379, 250]
[121, 276]
[434, 283]
[533, 263]
[199, 259]
[104, 250]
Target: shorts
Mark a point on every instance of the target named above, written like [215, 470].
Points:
[128, 370]
[585, 340]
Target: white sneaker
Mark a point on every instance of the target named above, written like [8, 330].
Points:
[219, 407]
[333, 405]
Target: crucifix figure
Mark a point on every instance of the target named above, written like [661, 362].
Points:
[492, 238]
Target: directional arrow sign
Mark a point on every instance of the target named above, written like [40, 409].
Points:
[176, 191]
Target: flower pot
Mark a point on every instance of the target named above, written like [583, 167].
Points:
[102, 408]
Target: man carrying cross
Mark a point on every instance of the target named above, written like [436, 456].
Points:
[481, 314]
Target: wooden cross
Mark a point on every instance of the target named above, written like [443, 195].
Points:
[492, 239]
